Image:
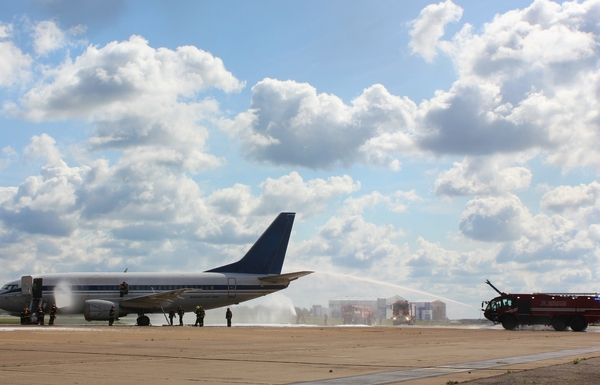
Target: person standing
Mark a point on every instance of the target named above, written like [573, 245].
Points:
[228, 316]
[123, 289]
[180, 312]
[40, 315]
[111, 315]
[27, 316]
[171, 315]
[52, 314]
[199, 316]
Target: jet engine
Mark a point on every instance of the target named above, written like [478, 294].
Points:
[98, 309]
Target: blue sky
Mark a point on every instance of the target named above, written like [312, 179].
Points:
[427, 145]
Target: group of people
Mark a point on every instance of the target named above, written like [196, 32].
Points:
[200, 314]
[39, 315]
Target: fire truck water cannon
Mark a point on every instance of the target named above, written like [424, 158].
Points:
[561, 310]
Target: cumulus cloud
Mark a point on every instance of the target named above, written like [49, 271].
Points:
[133, 213]
[515, 95]
[569, 198]
[477, 176]
[500, 219]
[396, 202]
[289, 123]
[428, 28]
[105, 83]
[141, 100]
[351, 242]
[47, 37]
[15, 65]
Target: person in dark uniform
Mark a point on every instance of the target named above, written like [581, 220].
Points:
[171, 315]
[27, 316]
[111, 315]
[123, 289]
[40, 315]
[180, 312]
[199, 316]
[228, 316]
[52, 314]
[23, 315]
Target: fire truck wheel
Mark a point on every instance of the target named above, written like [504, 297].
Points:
[578, 324]
[559, 323]
[509, 322]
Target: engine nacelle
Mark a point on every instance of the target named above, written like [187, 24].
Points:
[98, 309]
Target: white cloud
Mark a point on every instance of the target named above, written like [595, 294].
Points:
[138, 98]
[289, 123]
[47, 37]
[500, 219]
[429, 27]
[15, 65]
[568, 198]
[353, 243]
[481, 176]
[104, 84]
[396, 202]
[513, 94]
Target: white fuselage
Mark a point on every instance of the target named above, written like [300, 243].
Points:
[70, 291]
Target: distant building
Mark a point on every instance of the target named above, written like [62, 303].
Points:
[438, 311]
[317, 310]
[422, 310]
[381, 306]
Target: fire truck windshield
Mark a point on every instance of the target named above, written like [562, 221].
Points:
[499, 303]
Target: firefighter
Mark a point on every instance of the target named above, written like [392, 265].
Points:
[40, 315]
[228, 316]
[27, 316]
[180, 312]
[23, 313]
[111, 315]
[123, 289]
[171, 316]
[200, 313]
[52, 314]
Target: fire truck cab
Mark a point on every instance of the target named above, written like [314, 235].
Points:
[561, 310]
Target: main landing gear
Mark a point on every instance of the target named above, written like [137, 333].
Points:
[143, 320]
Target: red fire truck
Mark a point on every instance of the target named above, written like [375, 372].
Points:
[356, 315]
[560, 310]
[401, 313]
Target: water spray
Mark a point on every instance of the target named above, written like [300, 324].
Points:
[396, 286]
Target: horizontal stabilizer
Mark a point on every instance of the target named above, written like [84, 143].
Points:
[153, 300]
[285, 278]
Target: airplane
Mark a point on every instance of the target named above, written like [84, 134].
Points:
[257, 274]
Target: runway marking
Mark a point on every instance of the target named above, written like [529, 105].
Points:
[442, 370]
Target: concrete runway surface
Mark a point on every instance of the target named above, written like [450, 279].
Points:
[279, 355]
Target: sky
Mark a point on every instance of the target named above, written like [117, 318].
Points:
[424, 146]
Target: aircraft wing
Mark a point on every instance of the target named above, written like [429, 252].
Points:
[284, 278]
[153, 300]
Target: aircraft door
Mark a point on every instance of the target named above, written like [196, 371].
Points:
[37, 288]
[231, 287]
[26, 284]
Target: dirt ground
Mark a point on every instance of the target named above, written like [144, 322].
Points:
[281, 355]
[578, 371]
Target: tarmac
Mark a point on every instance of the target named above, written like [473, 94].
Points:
[124, 354]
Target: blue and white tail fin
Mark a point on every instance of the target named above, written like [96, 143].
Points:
[267, 254]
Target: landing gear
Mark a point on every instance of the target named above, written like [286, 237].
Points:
[143, 320]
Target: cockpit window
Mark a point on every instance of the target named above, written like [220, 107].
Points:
[9, 287]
